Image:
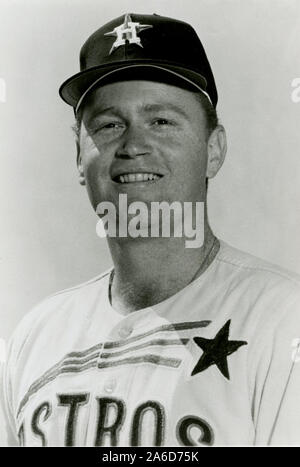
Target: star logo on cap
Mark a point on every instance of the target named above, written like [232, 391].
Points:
[128, 31]
[216, 351]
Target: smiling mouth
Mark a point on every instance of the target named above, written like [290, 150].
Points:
[136, 177]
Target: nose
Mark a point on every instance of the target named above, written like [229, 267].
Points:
[134, 142]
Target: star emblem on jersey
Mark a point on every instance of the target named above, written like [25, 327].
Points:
[128, 31]
[216, 351]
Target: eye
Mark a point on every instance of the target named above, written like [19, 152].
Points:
[111, 125]
[162, 122]
[105, 127]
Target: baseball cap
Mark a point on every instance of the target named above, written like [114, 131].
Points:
[134, 46]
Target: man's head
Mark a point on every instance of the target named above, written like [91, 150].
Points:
[145, 102]
[130, 128]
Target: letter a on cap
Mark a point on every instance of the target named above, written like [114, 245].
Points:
[127, 31]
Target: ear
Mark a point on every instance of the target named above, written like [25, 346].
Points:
[216, 151]
[80, 165]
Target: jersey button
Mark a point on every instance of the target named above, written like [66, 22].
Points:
[110, 386]
[124, 332]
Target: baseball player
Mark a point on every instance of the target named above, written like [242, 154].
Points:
[173, 346]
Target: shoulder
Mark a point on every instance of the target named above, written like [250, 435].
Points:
[261, 295]
[263, 302]
[261, 274]
[63, 307]
[247, 262]
[47, 332]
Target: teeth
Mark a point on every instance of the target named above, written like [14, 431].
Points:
[137, 177]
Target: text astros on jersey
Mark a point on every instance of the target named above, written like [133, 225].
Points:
[197, 369]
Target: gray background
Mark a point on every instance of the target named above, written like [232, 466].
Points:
[47, 237]
[48, 240]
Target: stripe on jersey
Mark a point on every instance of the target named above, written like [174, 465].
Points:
[155, 342]
[154, 359]
[79, 361]
[163, 328]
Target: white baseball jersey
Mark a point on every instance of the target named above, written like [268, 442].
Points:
[215, 364]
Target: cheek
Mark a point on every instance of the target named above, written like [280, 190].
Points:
[190, 169]
[96, 174]
[192, 156]
[95, 160]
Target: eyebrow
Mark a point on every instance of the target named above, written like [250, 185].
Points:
[163, 107]
[145, 108]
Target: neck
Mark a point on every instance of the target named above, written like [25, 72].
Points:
[150, 270]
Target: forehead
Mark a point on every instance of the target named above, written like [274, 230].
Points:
[141, 94]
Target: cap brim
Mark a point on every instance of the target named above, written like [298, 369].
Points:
[75, 89]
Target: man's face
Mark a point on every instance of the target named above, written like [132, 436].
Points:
[133, 128]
